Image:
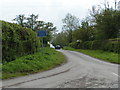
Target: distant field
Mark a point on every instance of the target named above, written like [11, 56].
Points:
[103, 55]
[32, 63]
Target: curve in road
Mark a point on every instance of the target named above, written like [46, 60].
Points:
[81, 71]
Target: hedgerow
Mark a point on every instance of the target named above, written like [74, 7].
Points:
[17, 41]
[106, 45]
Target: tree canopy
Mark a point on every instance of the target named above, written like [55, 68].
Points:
[102, 23]
[33, 23]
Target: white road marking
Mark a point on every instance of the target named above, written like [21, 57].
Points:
[115, 74]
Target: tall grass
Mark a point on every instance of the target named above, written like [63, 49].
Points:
[32, 63]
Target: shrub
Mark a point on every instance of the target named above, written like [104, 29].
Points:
[75, 45]
[106, 45]
[87, 45]
[112, 46]
[17, 41]
[97, 44]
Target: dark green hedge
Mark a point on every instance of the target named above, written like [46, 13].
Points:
[106, 45]
[17, 41]
[112, 46]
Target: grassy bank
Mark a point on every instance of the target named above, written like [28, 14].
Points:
[32, 63]
[103, 55]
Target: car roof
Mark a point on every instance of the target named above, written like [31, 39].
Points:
[57, 45]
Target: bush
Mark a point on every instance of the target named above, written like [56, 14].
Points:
[75, 45]
[17, 41]
[106, 45]
[97, 44]
[87, 45]
[112, 46]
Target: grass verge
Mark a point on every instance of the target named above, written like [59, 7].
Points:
[100, 54]
[32, 63]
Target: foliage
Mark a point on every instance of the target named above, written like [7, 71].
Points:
[0, 42]
[70, 23]
[17, 41]
[100, 54]
[96, 30]
[32, 63]
[107, 24]
[61, 39]
[32, 23]
[83, 34]
[20, 20]
[111, 45]
[75, 45]
[87, 45]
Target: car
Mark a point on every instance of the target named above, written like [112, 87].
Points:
[57, 47]
[51, 46]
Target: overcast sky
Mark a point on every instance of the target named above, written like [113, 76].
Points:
[49, 10]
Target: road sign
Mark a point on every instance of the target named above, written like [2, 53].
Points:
[41, 33]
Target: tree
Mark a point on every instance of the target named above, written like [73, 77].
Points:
[20, 20]
[50, 29]
[107, 24]
[70, 23]
[39, 25]
[61, 39]
[84, 33]
[31, 21]
[35, 25]
[105, 21]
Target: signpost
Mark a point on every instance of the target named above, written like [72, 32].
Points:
[42, 33]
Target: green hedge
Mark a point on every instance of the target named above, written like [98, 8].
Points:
[17, 41]
[112, 46]
[75, 45]
[106, 45]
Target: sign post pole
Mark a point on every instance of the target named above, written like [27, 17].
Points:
[42, 47]
[42, 33]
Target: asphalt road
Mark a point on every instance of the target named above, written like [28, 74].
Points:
[80, 71]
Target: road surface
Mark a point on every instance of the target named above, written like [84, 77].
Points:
[80, 71]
